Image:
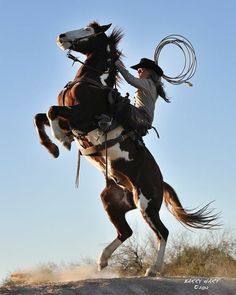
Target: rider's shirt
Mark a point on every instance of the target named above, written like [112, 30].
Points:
[146, 93]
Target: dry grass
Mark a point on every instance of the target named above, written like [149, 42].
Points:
[213, 255]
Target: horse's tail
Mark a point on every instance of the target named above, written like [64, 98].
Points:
[202, 218]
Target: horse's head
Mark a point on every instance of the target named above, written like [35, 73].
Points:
[100, 49]
[85, 40]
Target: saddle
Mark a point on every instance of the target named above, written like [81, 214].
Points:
[121, 110]
[130, 117]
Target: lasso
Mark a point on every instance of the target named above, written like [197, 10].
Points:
[190, 60]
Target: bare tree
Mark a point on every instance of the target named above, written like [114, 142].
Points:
[133, 257]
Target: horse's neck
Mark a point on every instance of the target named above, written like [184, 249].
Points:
[85, 72]
[96, 70]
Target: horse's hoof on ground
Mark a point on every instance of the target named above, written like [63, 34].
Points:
[150, 273]
[101, 266]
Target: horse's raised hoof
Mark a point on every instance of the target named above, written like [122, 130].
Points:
[67, 145]
[54, 150]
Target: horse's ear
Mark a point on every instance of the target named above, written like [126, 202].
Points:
[105, 27]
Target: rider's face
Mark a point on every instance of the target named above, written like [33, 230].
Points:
[143, 73]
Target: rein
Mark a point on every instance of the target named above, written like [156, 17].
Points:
[83, 80]
[96, 149]
[90, 81]
[75, 59]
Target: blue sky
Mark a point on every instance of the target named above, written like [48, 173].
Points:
[43, 217]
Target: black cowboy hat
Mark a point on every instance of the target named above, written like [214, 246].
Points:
[148, 64]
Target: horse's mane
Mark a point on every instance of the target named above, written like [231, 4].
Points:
[114, 39]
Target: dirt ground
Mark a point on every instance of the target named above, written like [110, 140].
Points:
[130, 286]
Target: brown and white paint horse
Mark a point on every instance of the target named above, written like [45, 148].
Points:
[134, 178]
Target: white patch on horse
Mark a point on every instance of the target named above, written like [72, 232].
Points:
[160, 255]
[142, 203]
[149, 221]
[114, 152]
[64, 40]
[55, 128]
[107, 252]
[84, 39]
[103, 77]
[157, 266]
[58, 133]
[98, 165]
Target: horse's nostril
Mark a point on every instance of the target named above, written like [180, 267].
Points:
[62, 35]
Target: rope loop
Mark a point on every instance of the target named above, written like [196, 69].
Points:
[190, 60]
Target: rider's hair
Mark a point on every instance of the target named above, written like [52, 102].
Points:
[159, 85]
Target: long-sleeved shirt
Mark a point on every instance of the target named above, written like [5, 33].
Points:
[146, 93]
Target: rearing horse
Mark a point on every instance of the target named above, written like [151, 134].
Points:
[134, 179]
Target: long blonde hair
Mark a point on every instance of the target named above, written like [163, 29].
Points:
[159, 85]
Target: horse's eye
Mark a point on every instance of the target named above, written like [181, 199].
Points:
[87, 29]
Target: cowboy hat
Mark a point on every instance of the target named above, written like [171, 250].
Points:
[148, 64]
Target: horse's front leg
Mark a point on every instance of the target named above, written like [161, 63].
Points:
[40, 120]
[55, 115]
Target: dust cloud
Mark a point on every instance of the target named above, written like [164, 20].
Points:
[55, 274]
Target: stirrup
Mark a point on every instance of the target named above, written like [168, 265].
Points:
[104, 122]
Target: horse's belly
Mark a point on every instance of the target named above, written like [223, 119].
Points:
[115, 153]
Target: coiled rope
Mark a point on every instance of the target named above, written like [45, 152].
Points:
[190, 60]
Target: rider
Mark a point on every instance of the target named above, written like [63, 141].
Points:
[149, 86]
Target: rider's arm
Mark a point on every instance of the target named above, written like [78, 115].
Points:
[136, 82]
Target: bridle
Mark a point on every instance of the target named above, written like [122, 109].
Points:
[86, 37]
[75, 59]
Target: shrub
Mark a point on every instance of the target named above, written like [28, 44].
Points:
[212, 255]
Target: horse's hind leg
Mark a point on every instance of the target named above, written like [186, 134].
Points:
[40, 120]
[116, 202]
[149, 202]
[153, 219]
